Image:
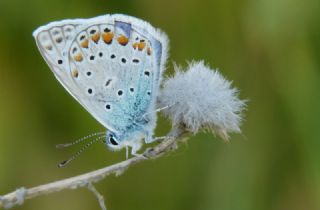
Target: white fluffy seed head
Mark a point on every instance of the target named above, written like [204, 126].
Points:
[201, 99]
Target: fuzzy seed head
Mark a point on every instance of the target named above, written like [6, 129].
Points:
[201, 99]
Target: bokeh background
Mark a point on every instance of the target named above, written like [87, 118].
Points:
[270, 49]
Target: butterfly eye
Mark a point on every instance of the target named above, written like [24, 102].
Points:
[113, 141]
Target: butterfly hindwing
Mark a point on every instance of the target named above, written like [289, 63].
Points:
[111, 64]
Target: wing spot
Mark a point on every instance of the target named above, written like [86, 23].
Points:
[60, 61]
[106, 30]
[49, 47]
[120, 92]
[85, 43]
[93, 31]
[149, 51]
[123, 60]
[123, 40]
[135, 45]
[74, 50]
[95, 38]
[135, 60]
[132, 90]
[78, 57]
[108, 82]
[100, 54]
[108, 106]
[82, 37]
[59, 39]
[139, 45]
[91, 57]
[55, 32]
[89, 73]
[107, 37]
[113, 56]
[75, 73]
[90, 91]
[147, 73]
[149, 93]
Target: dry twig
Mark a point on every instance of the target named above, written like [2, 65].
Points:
[85, 180]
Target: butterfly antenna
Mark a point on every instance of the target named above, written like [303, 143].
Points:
[60, 146]
[65, 162]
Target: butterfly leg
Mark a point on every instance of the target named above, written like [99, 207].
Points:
[134, 150]
[149, 139]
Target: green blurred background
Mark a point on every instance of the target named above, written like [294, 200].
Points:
[271, 51]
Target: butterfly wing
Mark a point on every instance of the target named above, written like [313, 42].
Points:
[111, 64]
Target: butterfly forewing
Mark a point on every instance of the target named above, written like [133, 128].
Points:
[111, 64]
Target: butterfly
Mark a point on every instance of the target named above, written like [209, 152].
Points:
[112, 65]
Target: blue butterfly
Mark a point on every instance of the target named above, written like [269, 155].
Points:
[112, 65]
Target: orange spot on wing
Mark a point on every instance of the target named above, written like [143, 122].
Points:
[123, 40]
[85, 43]
[149, 51]
[95, 37]
[141, 46]
[78, 57]
[135, 45]
[75, 73]
[107, 37]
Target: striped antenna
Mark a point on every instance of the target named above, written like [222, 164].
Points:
[65, 162]
[60, 146]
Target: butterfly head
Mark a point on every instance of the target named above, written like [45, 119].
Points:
[113, 141]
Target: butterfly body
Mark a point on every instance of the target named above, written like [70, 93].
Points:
[112, 65]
